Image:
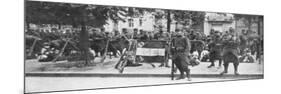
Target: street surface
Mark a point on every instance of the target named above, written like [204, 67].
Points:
[32, 66]
[43, 84]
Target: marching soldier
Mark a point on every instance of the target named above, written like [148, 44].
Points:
[230, 52]
[180, 52]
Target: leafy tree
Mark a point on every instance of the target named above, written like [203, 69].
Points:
[194, 18]
[77, 15]
[159, 15]
[248, 20]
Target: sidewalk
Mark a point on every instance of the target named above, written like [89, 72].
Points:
[106, 69]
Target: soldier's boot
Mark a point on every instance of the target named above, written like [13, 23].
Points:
[164, 64]
[174, 70]
[181, 75]
[188, 75]
[152, 65]
[167, 63]
[236, 68]
[161, 65]
[220, 62]
[212, 64]
[225, 68]
[121, 69]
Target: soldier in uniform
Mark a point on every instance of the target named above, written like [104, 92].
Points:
[197, 36]
[215, 47]
[180, 52]
[143, 36]
[47, 53]
[150, 35]
[125, 34]
[102, 32]
[244, 41]
[232, 31]
[97, 34]
[174, 34]
[230, 52]
[192, 35]
[212, 31]
[116, 35]
[186, 33]
[135, 34]
[92, 34]
[161, 35]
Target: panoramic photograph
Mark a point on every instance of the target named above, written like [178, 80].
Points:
[72, 46]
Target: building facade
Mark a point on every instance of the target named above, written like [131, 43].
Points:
[219, 22]
[146, 22]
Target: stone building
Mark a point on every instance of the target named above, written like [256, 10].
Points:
[146, 22]
[219, 22]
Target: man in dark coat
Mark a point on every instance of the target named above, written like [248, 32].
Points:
[244, 41]
[215, 47]
[164, 37]
[161, 35]
[135, 34]
[180, 52]
[125, 34]
[143, 35]
[230, 53]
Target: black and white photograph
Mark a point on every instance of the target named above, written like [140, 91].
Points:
[75, 46]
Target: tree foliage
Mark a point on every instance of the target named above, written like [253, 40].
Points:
[248, 20]
[77, 15]
[197, 18]
[71, 14]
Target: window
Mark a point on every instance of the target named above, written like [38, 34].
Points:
[140, 21]
[131, 22]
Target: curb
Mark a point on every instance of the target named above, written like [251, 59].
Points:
[261, 76]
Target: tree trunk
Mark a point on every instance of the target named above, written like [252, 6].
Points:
[115, 28]
[105, 51]
[236, 25]
[202, 27]
[249, 24]
[61, 52]
[59, 26]
[260, 24]
[32, 47]
[168, 21]
[84, 43]
[260, 34]
[27, 25]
